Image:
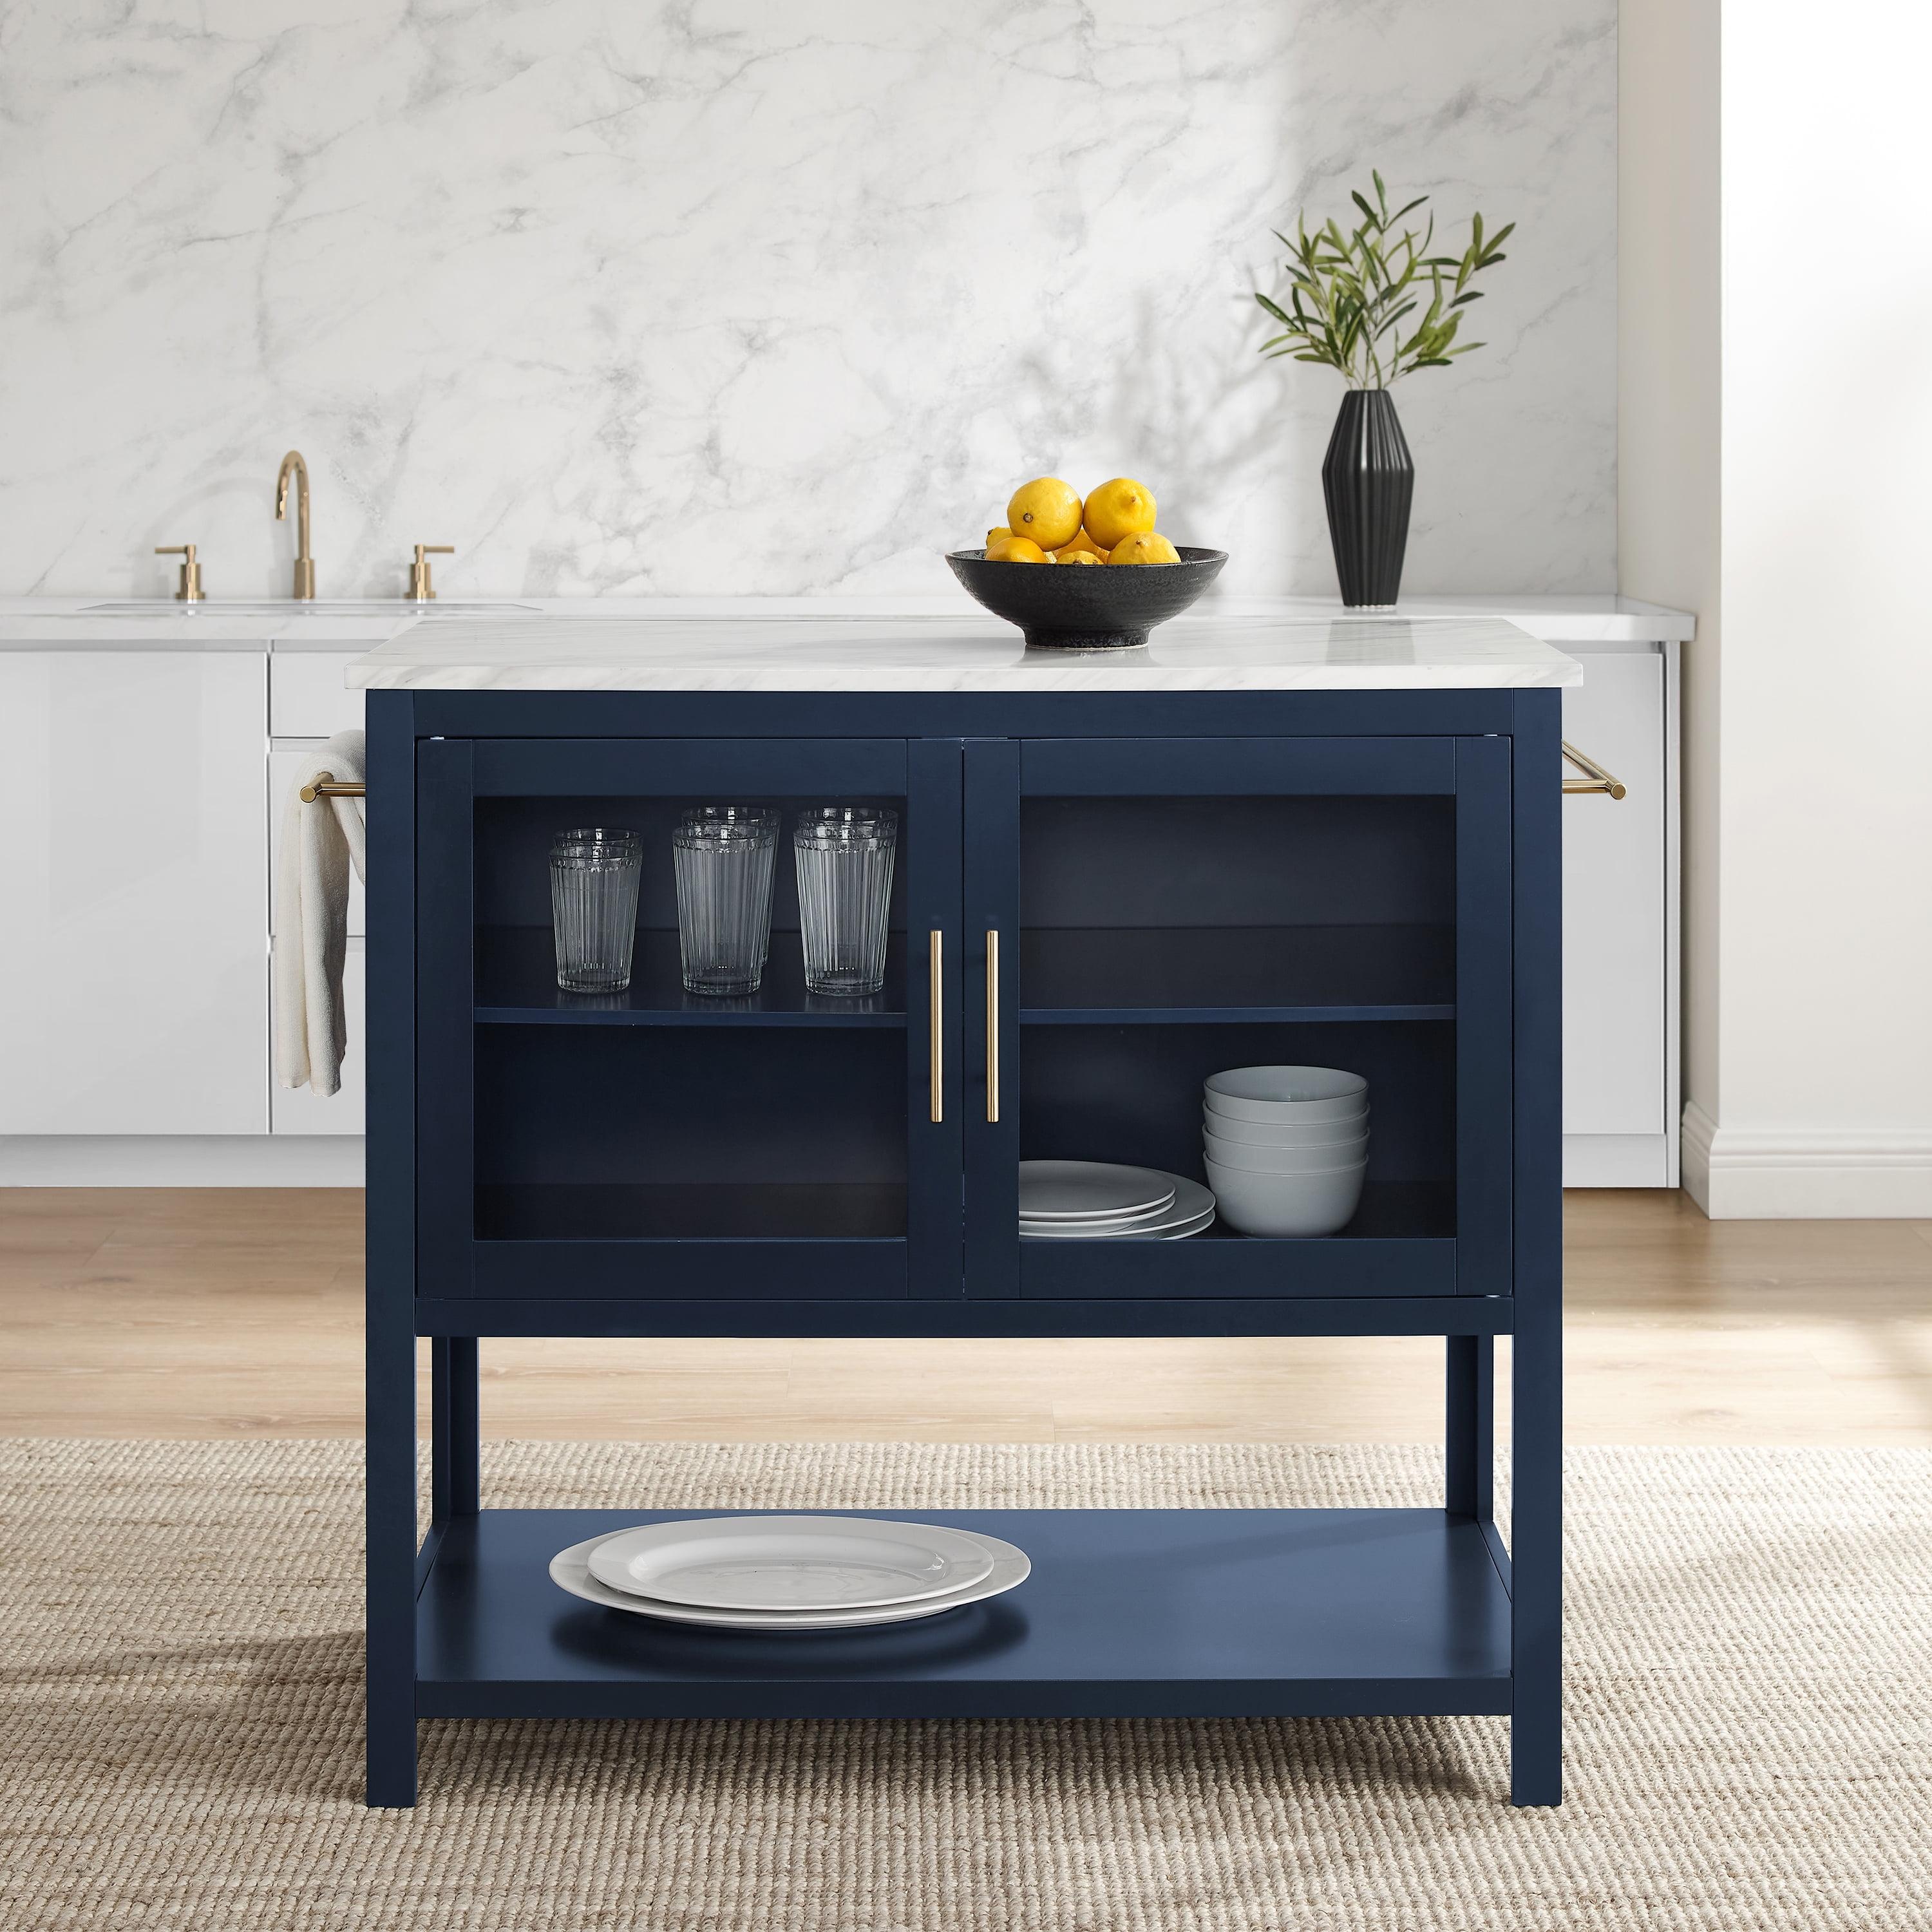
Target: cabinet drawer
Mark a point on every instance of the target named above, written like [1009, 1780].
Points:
[298, 1110]
[307, 698]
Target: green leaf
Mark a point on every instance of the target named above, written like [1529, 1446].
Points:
[1351, 292]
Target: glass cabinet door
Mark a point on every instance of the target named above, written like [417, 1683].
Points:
[1140, 915]
[657, 1142]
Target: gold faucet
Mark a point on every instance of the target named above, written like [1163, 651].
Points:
[190, 592]
[293, 465]
[420, 588]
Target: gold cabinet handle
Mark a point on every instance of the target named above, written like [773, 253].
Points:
[1594, 778]
[935, 993]
[992, 1024]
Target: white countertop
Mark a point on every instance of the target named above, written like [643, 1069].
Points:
[943, 654]
[97, 623]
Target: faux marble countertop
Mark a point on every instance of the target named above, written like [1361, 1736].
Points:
[958, 654]
[98, 623]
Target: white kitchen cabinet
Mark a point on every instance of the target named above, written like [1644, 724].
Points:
[147, 764]
[133, 992]
[308, 696]
[300, 1110]
[1620, 926]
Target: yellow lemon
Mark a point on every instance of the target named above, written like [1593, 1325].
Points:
[1078, 556]
[1118, 510]
[1082, 545]
[1144, 546]
[1047, 510]
[1015, 550]
[993, 535]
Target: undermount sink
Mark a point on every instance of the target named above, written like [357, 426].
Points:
[290, 606]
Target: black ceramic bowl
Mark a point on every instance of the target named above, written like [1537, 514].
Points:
[1073, 607]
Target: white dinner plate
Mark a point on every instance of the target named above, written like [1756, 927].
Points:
[1100, 1224]
[1113, 1224]
[570, 1570]
[1167, 1232]
[1193, 1207]
[789, 1563]
[1091, 1190]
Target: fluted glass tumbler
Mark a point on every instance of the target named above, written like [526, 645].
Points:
[723, 856]
[845, 856]
[593, 898]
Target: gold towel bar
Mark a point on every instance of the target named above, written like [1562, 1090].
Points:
[326, 785]
[1596, 779]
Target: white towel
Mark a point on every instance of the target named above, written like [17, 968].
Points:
[319, 843]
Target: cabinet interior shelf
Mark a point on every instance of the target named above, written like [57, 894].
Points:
[1085, 976]
[1114, 976]
[645, 1211]
[516, 985]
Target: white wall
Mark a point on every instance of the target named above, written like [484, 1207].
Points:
[634, 296]
[1668, 424]
[1810, 1072]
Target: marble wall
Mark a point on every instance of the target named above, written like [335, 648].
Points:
[771, 297]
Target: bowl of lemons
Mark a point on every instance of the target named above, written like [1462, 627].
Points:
[1109, 575]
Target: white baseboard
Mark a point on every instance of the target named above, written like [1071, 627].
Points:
[180, 1160]
[1617, 1160]
[1806, 1174]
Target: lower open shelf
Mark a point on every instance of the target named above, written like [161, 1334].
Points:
[1127, 1613]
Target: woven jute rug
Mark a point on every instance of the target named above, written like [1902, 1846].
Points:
[1750, 1730]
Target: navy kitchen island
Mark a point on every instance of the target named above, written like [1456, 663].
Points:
[1254, 841]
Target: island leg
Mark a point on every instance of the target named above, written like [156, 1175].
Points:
[1536, 1520]
[391, 1478]
[454, 1487]
[1536, 1380]
[1469, 1427]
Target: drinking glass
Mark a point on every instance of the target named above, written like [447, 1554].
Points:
[593, 897]
[723, 856]
[742, 814]
[843, 854]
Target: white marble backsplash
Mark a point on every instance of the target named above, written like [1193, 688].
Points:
[767, 297]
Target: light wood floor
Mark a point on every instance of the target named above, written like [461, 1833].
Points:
[216, 1313]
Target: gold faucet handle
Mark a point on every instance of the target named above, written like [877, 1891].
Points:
[420, 588]
[190, 592]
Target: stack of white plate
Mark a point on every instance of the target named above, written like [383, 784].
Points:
[1095, 1200]
[788, 1572]
[1287, 1146]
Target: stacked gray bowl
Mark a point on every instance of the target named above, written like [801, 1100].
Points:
[1287, 1147]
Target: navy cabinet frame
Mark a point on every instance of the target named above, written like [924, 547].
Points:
[463, 1622]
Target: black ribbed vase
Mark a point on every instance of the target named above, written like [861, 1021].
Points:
[1368, 479]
